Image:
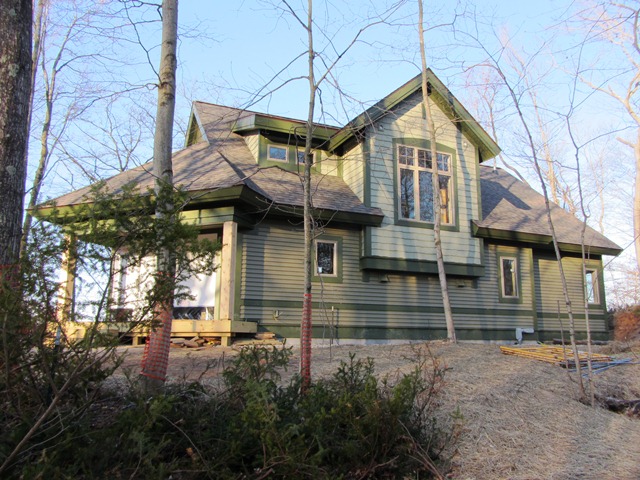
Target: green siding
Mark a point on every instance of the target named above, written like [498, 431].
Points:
[392, 304]
[413, 241]
[550, 299]
[272, 288]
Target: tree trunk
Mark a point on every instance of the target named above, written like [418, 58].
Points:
[306, 324]
[156, 358]
[46, 125]
[437, 207]
[15, 87]
[636, 201]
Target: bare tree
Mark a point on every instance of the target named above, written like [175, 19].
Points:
[315, 81]
[155, 362]
[15, 85]
[515, 90]
[430, 128]
[618, 24]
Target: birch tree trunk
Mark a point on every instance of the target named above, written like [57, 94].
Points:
[15, 86]
[156, 358]
[437, 204]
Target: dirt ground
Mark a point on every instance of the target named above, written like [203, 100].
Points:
[521, 416]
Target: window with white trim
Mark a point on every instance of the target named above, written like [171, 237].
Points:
[509, 277]
[326, 261]
[591, 286]
[416, 184]
[277, 153]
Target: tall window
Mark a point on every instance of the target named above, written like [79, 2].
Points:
[326, 258]
[509, 277]
[591, 286]
[416, 184]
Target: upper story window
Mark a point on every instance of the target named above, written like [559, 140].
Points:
[591, 286]
[275, 152]
[300, 154]
[416, 184]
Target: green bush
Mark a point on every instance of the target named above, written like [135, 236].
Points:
[351, 425]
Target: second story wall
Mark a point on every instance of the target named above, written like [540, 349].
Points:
[408, 238]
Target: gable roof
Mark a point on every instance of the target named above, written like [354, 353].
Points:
[442, 95]
[512, 210]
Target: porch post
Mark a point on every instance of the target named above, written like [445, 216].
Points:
[66, 295]
[228, 270]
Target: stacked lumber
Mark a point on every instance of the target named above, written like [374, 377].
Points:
[195, 342]
[265, 336]
[556, 355]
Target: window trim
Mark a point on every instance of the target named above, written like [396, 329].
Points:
[279, 160]
[335, 277]
[422, 144]
[513, 277]
[595, 275]
[502, 297]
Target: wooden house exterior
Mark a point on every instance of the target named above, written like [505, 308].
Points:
[375, 277]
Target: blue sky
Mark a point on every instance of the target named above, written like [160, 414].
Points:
[250, 40]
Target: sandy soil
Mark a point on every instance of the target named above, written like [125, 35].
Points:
[522, 419]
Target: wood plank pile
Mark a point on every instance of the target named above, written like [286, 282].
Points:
[195, 342]
[556, 355]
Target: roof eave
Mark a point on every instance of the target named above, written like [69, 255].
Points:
[544, 241]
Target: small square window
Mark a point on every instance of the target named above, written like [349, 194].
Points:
[277, 153]
[509, 277]
[326, 258]
[591, 286]
[301, 157]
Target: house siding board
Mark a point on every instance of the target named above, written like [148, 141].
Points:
[272, 280]
[416, 242]
[253, 143]
[550, 297]
[353, 170]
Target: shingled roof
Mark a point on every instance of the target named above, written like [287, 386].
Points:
[512, 210]
[223, 161]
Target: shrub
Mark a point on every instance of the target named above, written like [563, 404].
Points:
[627, 324]
[351, 425]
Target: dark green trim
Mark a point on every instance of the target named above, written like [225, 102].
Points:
[603, 298]
[291, 164]
[548, 315]
[425, 145]
[549, 335]
[441, 95]
[534, 305]
[287, 126]
[317, 278]
[371, 307]
[368, 245]
[419, 266]
[544, 241]
[382, 334]
[500, 254]
[207, 217]
[288, 211]
[238, 286]
[366, 172]
[478, 185]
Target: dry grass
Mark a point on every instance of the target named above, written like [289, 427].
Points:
[522, 419]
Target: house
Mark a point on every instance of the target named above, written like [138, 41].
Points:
[375, 277]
